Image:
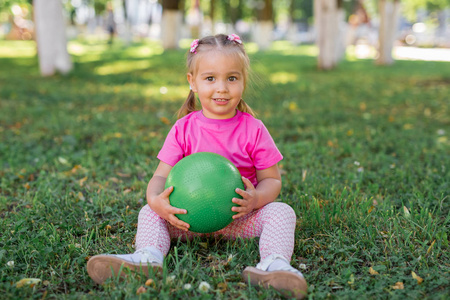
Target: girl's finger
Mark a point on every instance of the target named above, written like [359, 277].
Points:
[177, 211]
[167, 191]
[242, 193]
[239, 215]
[239, 201]
[173, 220]
[248, 183]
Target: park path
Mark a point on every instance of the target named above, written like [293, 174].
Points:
[427, 54]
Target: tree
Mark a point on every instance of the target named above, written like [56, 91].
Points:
[389, 14]
[264, 24]
[171, 21]
[411, 7]
[328, 15]
[51, 37]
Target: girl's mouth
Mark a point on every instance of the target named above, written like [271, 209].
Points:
[220, 101]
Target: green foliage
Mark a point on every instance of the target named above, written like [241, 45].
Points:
[365, 167]
[411, 7]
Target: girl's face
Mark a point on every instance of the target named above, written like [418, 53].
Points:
[219, 83]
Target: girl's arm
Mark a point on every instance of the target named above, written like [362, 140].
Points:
[268, 189]
[158, 197]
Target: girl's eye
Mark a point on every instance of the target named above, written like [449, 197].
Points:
[210, 78]
[232, 78]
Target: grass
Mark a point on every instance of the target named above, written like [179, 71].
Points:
[366, 168]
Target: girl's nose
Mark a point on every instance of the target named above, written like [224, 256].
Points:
[222, 87]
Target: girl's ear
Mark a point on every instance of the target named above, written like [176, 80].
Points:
[190, 78]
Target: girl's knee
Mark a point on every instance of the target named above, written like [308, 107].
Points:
[282, 209]
[146, 211]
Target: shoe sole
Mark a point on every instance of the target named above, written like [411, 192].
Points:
[101, 267]
[288, 283]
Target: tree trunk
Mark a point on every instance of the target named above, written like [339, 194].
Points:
[341, 31]
[171, 22]
[264, 26]
[326, 17]
[194, 19]
[389, 14]
[212, 13]
[51, 37]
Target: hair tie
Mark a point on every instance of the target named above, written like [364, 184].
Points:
[194, 46]
[234, 38]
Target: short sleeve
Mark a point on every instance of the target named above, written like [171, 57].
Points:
[265, 153]
[172, 150]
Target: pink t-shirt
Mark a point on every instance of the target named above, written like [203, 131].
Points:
[244, 140]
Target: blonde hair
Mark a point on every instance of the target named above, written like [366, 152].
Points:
[219, 42]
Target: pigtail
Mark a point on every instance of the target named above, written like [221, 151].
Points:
[244, 107]
[188, 106]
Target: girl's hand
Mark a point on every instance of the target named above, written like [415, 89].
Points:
[161, 205]
[249, 201]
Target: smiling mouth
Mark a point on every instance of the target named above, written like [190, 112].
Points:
[220, 100]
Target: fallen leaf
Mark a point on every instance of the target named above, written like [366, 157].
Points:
[114, 179]
[398, 286]
[352, 279]
[81, 196]
[27, 281]
[62, 160]
[373, 272]
[165, 120]
[429, 249]
[406, 212]
[82, 181]
[141, 290]
[150, 282]
[204, 245]
[123, 174]
[304, 172]
[75, 169]
[417, 277]
[222, 287]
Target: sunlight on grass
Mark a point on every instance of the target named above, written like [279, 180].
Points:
[77, 48]
[145, 51]
[17, 49]
[287, 48]
[355, 52]
[171, 93]
[123, 66]
[283, 77]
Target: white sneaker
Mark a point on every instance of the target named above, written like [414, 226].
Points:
[284, 278]
[102, 267]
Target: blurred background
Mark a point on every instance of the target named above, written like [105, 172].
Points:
[382, 30]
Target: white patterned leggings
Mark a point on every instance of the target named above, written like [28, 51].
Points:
[273, 223]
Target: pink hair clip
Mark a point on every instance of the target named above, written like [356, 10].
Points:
[234, 38]
[194, 46]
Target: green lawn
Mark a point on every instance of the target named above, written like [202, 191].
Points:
[366, 167]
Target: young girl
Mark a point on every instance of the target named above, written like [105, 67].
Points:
[217, 72]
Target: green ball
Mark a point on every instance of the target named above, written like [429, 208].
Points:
[204, 184]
